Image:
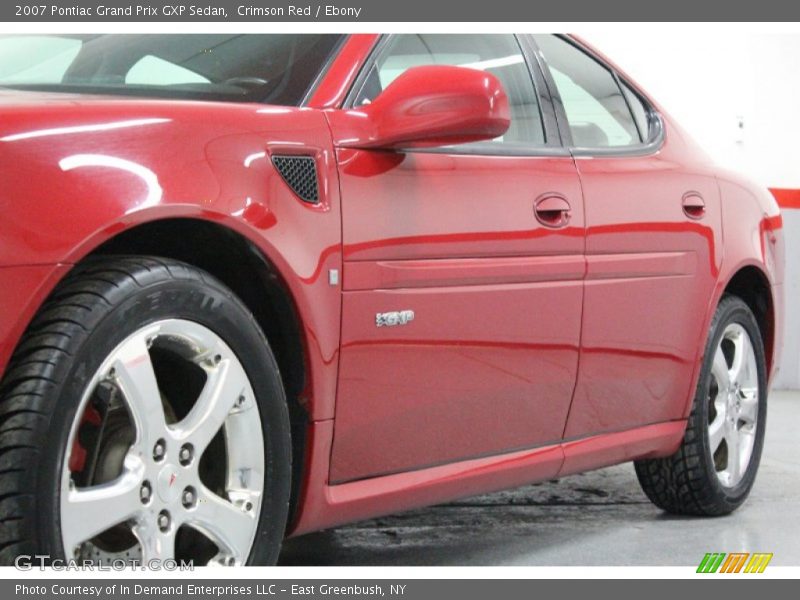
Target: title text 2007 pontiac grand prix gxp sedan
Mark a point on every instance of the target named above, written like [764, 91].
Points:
[259, 285]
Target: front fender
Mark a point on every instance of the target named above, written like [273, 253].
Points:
[77, 174]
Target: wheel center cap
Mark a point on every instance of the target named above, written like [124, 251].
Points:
[169, 488]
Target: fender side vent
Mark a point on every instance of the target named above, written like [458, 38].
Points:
[300, 174]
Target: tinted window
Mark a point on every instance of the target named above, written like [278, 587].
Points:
[597, 111]
[496, 54]
[278, 69]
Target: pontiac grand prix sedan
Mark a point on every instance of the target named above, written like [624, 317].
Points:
[253, 286]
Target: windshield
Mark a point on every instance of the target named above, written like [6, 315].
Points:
[277, 69]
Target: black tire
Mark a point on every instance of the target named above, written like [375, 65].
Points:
[686, 483]
[90, 312]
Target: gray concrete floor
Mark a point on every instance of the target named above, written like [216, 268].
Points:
[598, 518]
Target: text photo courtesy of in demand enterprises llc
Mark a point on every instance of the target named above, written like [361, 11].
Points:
[436, 295]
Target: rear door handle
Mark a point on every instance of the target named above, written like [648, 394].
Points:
[693, 205]
[552, 210]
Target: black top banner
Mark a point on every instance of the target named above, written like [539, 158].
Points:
[378, 11]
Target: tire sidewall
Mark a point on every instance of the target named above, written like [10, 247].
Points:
[733, 310]
[211, 305]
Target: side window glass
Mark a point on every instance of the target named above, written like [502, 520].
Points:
[499, 55]
[151, 70]
[598, 112]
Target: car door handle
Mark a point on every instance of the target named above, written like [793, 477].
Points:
[693, 205]
[552, 210]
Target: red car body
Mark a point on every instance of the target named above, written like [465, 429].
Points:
[534, 352]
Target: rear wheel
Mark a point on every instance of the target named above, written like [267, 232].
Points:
[142, 417]
[715, 467]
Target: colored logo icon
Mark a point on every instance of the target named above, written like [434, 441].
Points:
[735, 562]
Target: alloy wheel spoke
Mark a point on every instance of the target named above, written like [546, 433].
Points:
[154, 543]
[716, 431]
[90, 511]
[719, 369]
[228, 525]
[136, 379]
[741, 344]
[226, 383]
[733, 440]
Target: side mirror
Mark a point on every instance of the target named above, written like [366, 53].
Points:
[427, 107]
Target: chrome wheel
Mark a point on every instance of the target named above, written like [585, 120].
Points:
[733, 405]
[166, 453]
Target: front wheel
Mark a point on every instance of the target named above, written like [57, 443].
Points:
[715, 467]
[142, 417]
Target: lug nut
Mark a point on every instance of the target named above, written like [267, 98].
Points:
[189, 497]
[186, 454]
[159, 450]
[163, 521]
[240, 401]
[145, 492]
[248, 506]
[230, 561]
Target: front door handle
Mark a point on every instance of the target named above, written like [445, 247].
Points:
[693, 205]
[552, 210]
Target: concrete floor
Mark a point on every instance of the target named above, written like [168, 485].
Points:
[598, 518]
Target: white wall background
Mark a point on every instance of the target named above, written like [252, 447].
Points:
[738, 94]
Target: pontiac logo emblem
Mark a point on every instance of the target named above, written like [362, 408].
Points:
[169, 483]
[390, 319]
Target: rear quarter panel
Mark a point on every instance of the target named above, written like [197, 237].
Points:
[753, 236]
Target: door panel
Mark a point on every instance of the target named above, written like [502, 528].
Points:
[488, 363]
[652, 234]
[650, 273]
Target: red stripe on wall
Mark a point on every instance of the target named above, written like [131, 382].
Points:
[787, 198]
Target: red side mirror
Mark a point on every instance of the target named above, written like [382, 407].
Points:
[427, 107]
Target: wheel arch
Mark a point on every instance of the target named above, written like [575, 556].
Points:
[751, 284]
[748, 281]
